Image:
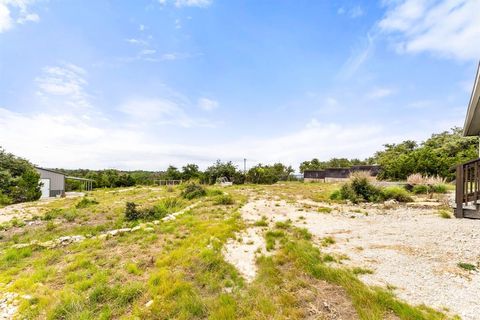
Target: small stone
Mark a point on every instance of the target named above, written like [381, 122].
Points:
[149, 304]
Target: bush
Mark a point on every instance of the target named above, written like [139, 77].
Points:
[193, 191]
[158, 211]
[85, 202]
[419, 189]
[336, 195]
[131, 212]
[397, 193]
[4, 199]
[70, 215]
[439, 188]
[415, 179]
[52, 214]
[224, 199]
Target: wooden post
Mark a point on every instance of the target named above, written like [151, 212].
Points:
[459, 192]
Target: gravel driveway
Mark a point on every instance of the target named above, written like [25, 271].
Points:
[411, 250]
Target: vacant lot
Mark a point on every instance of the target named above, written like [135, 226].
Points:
[249, 252]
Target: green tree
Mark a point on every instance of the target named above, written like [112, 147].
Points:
[438, 155]
[19, 181]
[223, 169]
[190, 171]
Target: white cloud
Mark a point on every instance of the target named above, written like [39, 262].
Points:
[64, 84]
[358, 58]
[353, 12]
[187, 3]
[5, 19]
[193, 3]
[449, 28]
[136, 41]
[160, 111]
[62, 140]
[148, 51]
[379, 93]
[16, 11]
[207, 104]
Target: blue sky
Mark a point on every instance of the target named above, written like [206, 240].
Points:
[145, 84]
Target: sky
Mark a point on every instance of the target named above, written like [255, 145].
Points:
[147, 84]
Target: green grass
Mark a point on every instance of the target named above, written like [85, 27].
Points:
[224, 199]
[263, 222]
[179, 265]
[444, 214]
[328, 241]
[467, 266]
[324, 209]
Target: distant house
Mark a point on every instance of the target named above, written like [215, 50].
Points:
[332, 174]
[52, 183]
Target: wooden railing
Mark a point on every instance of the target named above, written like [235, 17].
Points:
[467, 186]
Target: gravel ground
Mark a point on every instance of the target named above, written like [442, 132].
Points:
[410, 249]
[25, 210]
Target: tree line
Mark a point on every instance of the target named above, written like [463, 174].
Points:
[438, 155]
[116, 178]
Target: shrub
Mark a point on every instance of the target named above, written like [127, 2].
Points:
[397, 193]
[158, 211]
[439, 188]
[70, 215]
[85, 202]
[336, 195]
[193, 191]
[52, 214]
[434, 180]
[415, 179]
[162, 208]
[4, 199]
[131, 212]
[420, 188]
[224, 199]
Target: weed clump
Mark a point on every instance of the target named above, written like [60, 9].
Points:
[467, 266]
[396, 193]
[158, 211]
[224, 199]
[420, 184]
[360, 189]
[193, 191]
[324, 209]
[445, 214]
[262, 222]
[85, 202]
[131, 212]
[52, 214]
[70, 215]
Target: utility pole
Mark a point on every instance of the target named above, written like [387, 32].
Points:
[244, 165]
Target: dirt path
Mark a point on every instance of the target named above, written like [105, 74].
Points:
[411, 249]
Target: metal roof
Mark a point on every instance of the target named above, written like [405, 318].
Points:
[472, 119]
